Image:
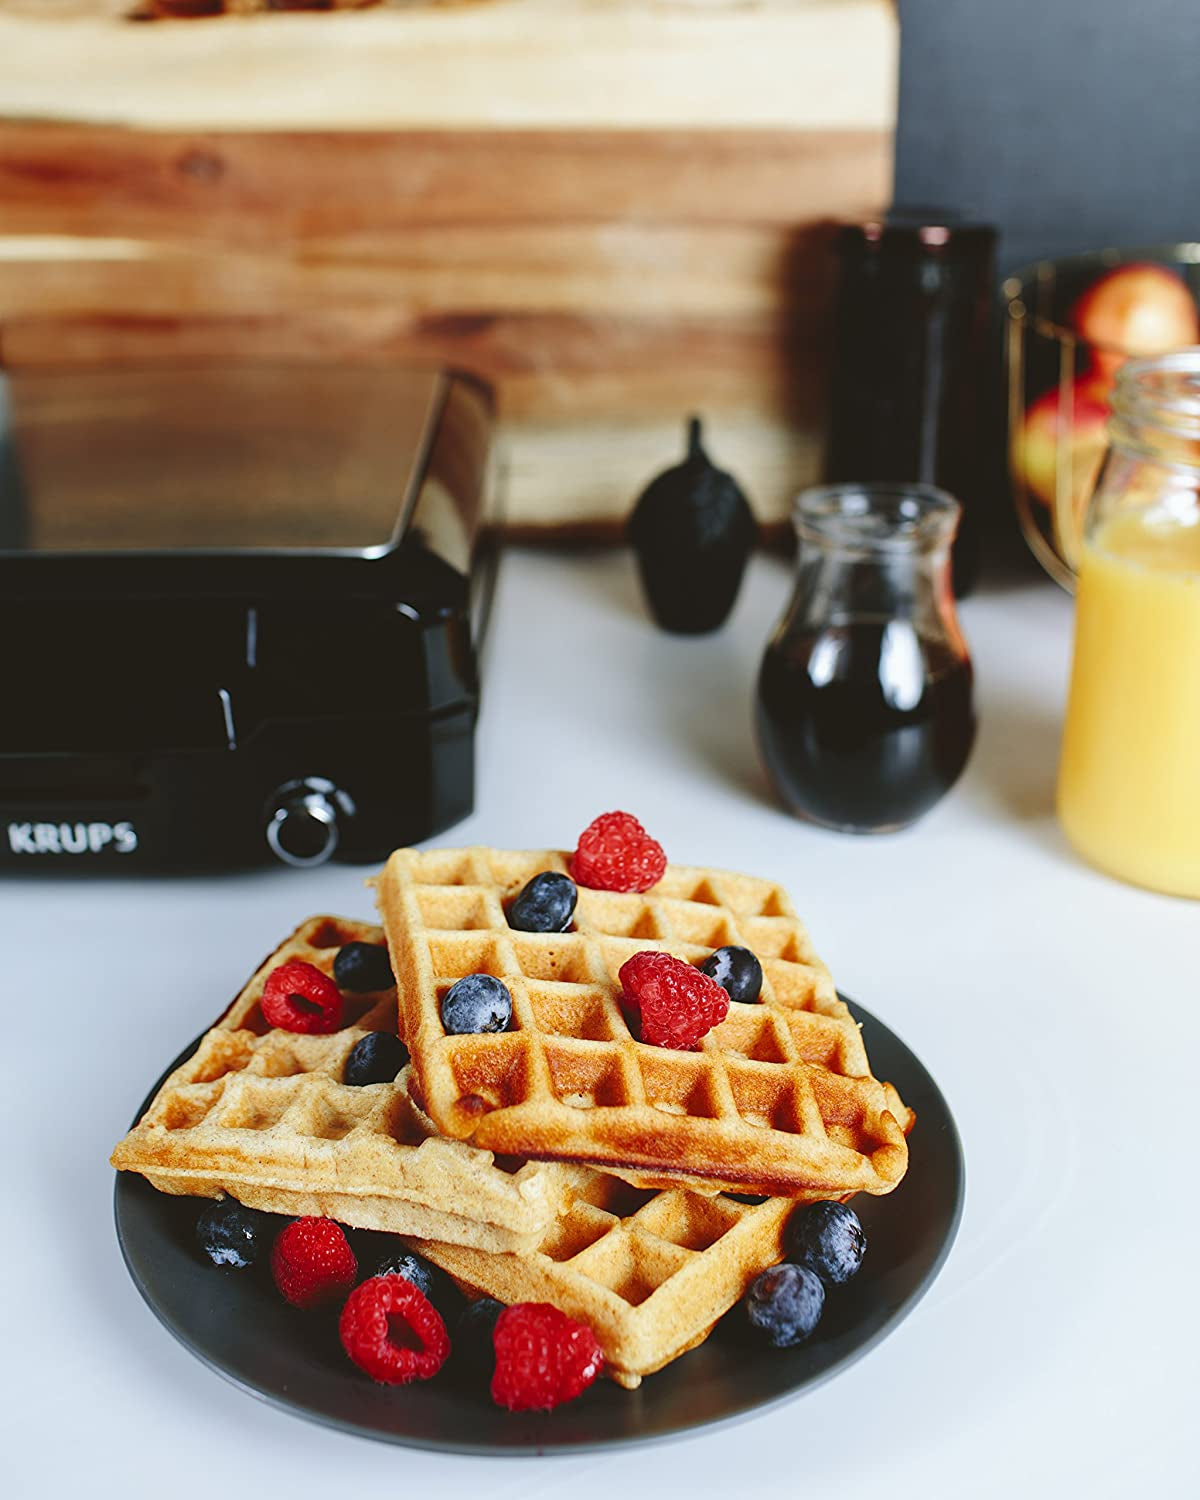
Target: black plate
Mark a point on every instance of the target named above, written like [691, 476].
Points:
[236, 1323]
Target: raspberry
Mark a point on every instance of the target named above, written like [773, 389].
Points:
[543, 1358]
[298, 997]
[312, 1262]
[615, 853]
[392, 1331]
[676, 1003]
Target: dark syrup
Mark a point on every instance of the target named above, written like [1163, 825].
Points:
[863, 725]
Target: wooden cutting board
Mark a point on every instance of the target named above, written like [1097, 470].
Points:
[618, 212]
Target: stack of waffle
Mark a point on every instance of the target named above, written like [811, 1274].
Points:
[562, 1160]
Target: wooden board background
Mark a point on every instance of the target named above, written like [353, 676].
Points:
[608, 280]
[577, 64]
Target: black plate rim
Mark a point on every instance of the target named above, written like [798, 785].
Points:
[465, 1448]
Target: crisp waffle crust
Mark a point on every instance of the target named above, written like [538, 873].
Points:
[649, 1272]
[779, 1099]
[263, 1114]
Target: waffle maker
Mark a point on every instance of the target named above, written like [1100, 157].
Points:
[241, 610]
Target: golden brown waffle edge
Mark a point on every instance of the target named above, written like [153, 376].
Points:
[649, 1272]
[778, 1100]
[262, 1114]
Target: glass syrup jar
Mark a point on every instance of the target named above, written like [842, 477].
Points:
[865, 702]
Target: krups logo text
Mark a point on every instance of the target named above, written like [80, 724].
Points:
[72, 838]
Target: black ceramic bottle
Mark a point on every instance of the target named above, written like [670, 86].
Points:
[910, 382]
[692, 531]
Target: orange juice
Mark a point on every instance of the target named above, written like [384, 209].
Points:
[1129, 778]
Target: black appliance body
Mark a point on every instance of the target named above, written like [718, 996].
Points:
[240, 613]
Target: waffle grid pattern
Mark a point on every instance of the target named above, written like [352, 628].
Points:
[263, 1114]
[649, 1272]
[779, 1098]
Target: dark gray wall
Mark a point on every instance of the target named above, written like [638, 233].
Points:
[1070, 124]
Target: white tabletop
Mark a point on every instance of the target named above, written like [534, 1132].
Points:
[1057, 1351]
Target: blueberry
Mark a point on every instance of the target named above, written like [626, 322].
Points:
[478, 1002]
[547, 904]
[473, 1337]
[784, 1304]
[362, 968]
[426, 1278]
[737, 971]
[375, 1058]
[828, 1239]
[231, 1235]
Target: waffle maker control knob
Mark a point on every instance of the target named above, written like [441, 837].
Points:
[304, 819]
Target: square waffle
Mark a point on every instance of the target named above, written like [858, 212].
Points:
[649, 1272]
[779, 1099]
[263, 1114]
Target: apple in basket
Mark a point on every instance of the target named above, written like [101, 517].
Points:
[1138, 309]
[1035, 442]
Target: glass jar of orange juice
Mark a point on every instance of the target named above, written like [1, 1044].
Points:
[1129, 777]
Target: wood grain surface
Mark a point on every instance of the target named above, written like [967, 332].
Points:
[612, 251]
[794, 64]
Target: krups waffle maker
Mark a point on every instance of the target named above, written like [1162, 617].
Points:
[240, 610]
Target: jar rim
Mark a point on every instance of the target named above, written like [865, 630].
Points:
[1159, 393]
[877, 515]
